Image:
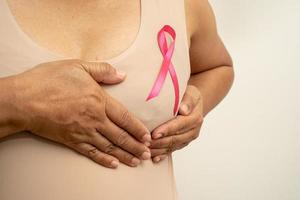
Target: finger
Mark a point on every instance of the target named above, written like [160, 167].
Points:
[173, 126]
[189, 100]
[159, 158]
[163, 151]
[93, 153]
[117, 113]
[121, 138]
[161, 154]
[107, 147]
[174, 141]
[178, 125]
[103, 72]
[157, 152]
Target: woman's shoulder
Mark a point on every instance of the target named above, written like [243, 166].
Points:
[197, 13]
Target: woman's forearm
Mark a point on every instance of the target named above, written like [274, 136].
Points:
[213, 84]
[10, 119]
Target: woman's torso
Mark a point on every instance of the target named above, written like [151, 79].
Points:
[35, 168]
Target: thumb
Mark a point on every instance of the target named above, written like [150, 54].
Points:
[103, 72]
[189, 100]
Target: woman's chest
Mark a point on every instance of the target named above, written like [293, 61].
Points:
[142, 61]
[91, 30]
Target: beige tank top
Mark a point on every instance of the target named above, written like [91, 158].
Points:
[33, 168]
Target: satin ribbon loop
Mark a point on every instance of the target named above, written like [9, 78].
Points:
[166, 66]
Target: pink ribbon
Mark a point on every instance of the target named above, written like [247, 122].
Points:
[166, 66]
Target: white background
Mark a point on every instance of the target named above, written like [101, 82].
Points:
[249, 148]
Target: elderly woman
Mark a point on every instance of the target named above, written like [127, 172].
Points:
[96, 95]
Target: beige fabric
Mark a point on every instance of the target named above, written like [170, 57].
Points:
[32, 168]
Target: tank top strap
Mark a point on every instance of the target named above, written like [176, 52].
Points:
[170, 12]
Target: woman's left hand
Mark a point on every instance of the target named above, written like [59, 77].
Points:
[181, 130]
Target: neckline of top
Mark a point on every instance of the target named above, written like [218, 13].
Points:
[114, 59]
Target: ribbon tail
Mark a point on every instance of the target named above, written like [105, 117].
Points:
[159, 80]
[176, 87]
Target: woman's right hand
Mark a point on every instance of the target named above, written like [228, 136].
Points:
[63, 102]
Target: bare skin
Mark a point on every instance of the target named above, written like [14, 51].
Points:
[80, 35]
[211, 65]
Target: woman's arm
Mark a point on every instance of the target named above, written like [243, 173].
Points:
[10, 119]
[211, 65]
[211, 78]
[62, 101]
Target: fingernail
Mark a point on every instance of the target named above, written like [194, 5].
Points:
[185, 108]
[146, 155]
[156, 159]
[147, 144]
[121, 73]
[158, 135]
[114, 163]
[147, 138]
[135, 161]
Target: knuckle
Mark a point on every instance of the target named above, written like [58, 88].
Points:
[99, 112]
[171, 145]
[93, 97]
[92, 152]
[169, 150]
[91, 134]
[138, 150]
[194, 90]
[106, 68]
[127, 157]
[71, 138]
[182, 127]
[194, 93]
[93, 109]
[192, 103]
[125, 117]
[122, 139]
[101, 125]
[109, 148]
[77, 63]
[173, 141]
